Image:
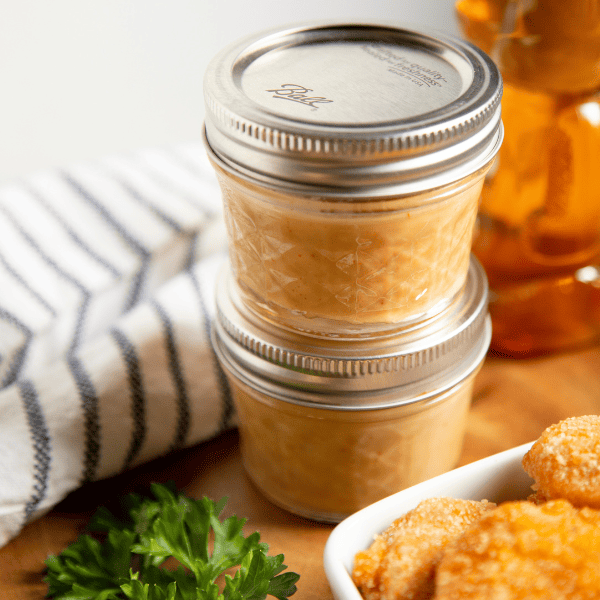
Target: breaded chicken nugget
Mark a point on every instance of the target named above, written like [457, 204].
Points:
[401, 561]
[565, 461]
[523, 551]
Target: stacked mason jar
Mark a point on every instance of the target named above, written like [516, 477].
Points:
[352, 319]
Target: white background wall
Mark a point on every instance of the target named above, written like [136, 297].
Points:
[84, 78]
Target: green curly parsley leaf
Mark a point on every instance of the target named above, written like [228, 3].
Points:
[128, 563]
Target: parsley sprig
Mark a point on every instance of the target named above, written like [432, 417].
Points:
[128, 562]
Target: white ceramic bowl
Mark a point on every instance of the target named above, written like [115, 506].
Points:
[496, 478]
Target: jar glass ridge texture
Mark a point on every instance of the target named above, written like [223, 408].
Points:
[329, 426]
[326, 464]
[344, 268]
[351, 159]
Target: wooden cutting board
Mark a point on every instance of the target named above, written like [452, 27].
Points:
[514, 402]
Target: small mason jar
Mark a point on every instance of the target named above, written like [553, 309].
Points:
[330, 426]
[351, 159]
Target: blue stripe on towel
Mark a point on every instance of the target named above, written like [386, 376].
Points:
[134, 244]
[40, 439]
[18, 359]
[89, 403]
[164, 217]
[75, 237]
[224, 388]
[138, 400]
[183, 405]
[19, 278]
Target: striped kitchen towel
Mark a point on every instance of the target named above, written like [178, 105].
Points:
[107, 277]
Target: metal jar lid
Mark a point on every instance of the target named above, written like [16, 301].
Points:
[357, 109]
[421, 361]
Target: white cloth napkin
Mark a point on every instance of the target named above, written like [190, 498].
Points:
[107, 277]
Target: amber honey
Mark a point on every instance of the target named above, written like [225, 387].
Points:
[538, 233]
[544, 45]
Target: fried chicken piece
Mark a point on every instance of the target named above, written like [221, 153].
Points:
[565, 461]
[400, 563]
[537, 498]
[521, 550]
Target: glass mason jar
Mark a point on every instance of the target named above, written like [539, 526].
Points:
[351, 159]
[538, 233]
[329, 426]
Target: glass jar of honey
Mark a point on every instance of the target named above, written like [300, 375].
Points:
[538, 231]
[328, 426]
[351, 159]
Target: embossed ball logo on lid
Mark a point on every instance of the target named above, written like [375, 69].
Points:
[298, 93]
[366, 109]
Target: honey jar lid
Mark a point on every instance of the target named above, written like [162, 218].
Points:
[421, 360]
[359, 109]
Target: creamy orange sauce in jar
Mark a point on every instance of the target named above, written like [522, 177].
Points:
[329, 426]
[326, 464]
[351, 159]
[344, 267]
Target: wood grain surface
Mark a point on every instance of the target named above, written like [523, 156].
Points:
[514, 401]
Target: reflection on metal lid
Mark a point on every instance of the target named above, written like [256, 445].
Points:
[431, 355]
[371, 108]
